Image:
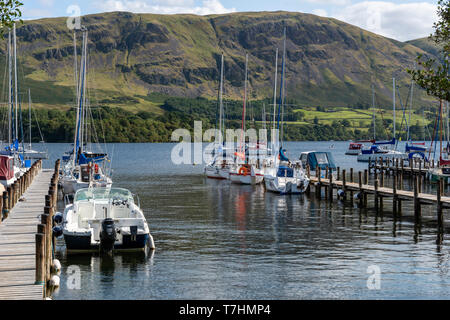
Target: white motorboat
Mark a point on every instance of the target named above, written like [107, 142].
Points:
[375, 152]
[286, 179]
[105, 219]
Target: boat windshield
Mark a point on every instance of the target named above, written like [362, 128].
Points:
[321, 158]
[103, 194]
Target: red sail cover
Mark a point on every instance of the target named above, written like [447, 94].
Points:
[6, 167]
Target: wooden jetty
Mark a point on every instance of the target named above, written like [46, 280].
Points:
[25, 256]
[346, 185]
[410, 167]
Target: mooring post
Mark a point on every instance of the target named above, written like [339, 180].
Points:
[351, 180]
[330, 190]
[338, 174]
[366, 182]
[402, 173]
[376, 194]
[45, 220]
[440, 216]
[417, 209]
[395, 198]
[344, 182]
[420, 176]
[325, 185]
[361, 192]
[318, 188]
[308, 174]
[40, 260]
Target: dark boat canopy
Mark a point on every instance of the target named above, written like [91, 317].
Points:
[323, 159]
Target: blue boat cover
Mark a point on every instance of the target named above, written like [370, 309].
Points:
[323, 159]
[285, 172]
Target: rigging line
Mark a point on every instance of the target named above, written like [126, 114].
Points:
[403, 116]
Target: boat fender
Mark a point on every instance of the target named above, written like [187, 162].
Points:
[358, 196]
[54, 281]
[56, 266]
[57, 231]
[151, 243]
[58, 218]
[341, 193]
[96, 168]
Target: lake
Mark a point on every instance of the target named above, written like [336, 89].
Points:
[215, 240]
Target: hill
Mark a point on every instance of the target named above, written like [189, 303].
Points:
[329, 63]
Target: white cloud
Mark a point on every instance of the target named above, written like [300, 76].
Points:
[331, 2]
[399, 21]
[164, 6]
[34, 13]
[320, 12]
[46, 3]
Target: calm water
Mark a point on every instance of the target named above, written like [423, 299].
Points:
[220, 241]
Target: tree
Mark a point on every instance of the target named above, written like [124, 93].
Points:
[433, 75]
[9, 13]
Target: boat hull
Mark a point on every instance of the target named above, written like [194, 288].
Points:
[353, 152]
[385, 156]
[291, 186]
[213, 173]
[82, 242]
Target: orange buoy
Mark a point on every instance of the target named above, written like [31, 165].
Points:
[243, 171]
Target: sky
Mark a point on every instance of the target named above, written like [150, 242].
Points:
[398, 19]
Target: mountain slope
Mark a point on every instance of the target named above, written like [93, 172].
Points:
[329, 63]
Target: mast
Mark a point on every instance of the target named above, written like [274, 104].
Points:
[275, 96]
[9, 89]
[440, 128]
[245, 102]
[221, 102]
[29, 113]
[281, 102]
[16, 96]
[79, 103]
[75, 63]
[393, 101]
[373, 109]
[408, 138]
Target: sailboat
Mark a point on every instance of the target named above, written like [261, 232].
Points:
[219, 167]
[83, 168]
[247, 169]
[282, 176]
[379, 148]
[12, 164]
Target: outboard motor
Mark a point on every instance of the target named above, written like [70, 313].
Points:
[107, 235]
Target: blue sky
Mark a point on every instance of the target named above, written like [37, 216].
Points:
[398, 19]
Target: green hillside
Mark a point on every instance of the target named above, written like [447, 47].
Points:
[138, 61]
